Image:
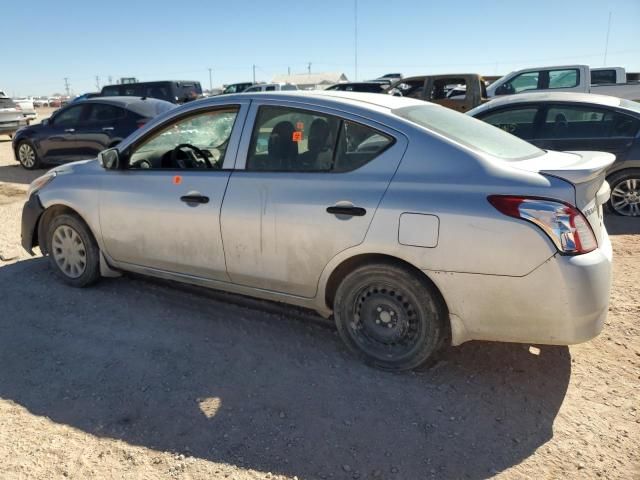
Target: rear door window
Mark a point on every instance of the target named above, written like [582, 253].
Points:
[517, 121]
[102, 113]
[574, 121]
[603, 76]
[294, 140]
[564, 78]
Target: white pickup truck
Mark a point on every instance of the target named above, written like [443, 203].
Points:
[567, 78]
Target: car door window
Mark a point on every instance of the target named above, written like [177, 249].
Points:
[195, 142]
[577, 122]
[294, 140]
[68, 118]
[522, 82]
[564, 78]
[102, 113]
[517, 121]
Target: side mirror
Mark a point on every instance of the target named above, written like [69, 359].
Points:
[109, 159]
[502, 89]
[45, 122]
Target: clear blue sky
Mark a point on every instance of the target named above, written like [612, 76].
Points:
[45, 40]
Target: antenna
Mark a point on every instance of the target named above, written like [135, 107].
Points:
[355, 28]
[606, 45]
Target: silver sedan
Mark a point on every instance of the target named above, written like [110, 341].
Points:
[413, 225]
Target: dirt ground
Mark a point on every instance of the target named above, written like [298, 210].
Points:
[138, 379]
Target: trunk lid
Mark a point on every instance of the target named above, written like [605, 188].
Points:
[586, 171]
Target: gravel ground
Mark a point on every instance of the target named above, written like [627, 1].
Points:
[141, 379]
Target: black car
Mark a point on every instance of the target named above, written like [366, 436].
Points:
[174, 91]
[567, 121]
[367, 87]
[82, 129]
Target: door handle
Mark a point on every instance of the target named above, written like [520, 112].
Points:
[347, 210]
[69, 130]
[107, 129]
[194, 199]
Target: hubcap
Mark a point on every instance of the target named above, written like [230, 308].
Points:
[26, 155]
[385, 323]
[68, 251]
[625, 197]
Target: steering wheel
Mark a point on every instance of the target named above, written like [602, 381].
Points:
[194, 149]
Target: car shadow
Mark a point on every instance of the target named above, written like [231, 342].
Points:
[619, 225]
[17, 174]
[172, 370]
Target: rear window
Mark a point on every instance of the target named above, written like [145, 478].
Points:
[603, 76]
[7, 103]
[470, 132]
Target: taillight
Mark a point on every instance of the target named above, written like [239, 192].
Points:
[565, 225]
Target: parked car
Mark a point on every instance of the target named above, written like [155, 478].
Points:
[237, 87]
[55, 102]
[566, 78]
[11, 117]
[40, 102]
[27, 107]
[174, 91]
[368, 87]
[271, 87]
[84, 128]
[577, 121]
[357, 207]
[469, 90]
[85, 96]
[390, 77]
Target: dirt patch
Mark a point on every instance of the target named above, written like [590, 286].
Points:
[10, 193]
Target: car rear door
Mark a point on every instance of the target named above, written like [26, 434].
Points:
[568, 127]
[306, 186]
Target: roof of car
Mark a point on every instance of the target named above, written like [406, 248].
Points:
[546, 97]
[329, 98]
[145, 106]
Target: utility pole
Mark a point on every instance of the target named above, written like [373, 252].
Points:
[97, 82]
[254, 73]
[355, 28]
[110, 79]
[210, 84]
[606, 45]
[289, 71]
[66, 85]
[309, 68]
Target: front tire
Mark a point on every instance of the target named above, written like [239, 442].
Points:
[27, 155]
[389, 317]
[625, 192]
[73, 252]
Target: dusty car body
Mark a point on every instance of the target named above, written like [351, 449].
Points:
[380, 229]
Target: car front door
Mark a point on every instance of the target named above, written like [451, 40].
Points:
[306, 187]
[162, 212]
[586, 127]
[57, 139]
[101, 127]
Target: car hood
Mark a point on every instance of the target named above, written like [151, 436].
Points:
[81, 166]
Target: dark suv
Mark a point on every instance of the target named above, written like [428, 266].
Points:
[174, 91]
[84, 128]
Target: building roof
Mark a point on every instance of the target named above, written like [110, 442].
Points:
[311, 78]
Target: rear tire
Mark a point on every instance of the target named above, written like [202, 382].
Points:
[389, 317]
[27, 155]
[73, 252]
[625, 192]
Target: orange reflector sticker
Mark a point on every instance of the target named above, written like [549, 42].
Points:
[297, 136]
[177, 180]
[300, 126]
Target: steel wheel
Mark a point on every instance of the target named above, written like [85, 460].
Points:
[27, 155]
[69, 251]
[384, 321]
[625, 197]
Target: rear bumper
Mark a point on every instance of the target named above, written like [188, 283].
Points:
[562, 302]
[30, 214]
